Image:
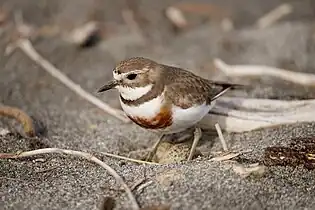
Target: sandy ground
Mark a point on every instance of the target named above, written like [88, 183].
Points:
[63, 182]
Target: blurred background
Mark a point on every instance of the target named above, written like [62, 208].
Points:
[86, 38]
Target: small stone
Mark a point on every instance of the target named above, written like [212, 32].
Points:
[39, 160]
[253, 169]
[169, 152]
[4, 132]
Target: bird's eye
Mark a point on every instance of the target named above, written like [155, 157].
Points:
[132, 76]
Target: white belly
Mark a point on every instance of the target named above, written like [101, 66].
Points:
[186, 118]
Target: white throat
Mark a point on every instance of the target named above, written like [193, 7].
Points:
[132, 94]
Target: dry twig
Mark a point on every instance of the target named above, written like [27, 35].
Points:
[260, 70]
[144, 185]
[236, 114]
[176, 17]
[225, 157]
[27, 48]
[24, 30]
[22, 117]
[242, 114]
[274, 15]
[137, 183]
[84, 155]
[129, 159]
[82, 34]
[222, 140]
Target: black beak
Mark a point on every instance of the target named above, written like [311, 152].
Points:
[110, 85]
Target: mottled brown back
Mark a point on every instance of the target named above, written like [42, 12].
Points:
[185, 89]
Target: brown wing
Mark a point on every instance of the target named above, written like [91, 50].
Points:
[185, 89]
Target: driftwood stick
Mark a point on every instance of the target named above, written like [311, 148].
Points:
[263, 104]
[245, 114]
[84, 155]
[274, 15]
[231, 124]
[26, 46]
[260, 70]
[242, 114]
[222, 140]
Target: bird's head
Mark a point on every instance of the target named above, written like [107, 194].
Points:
[133, 77]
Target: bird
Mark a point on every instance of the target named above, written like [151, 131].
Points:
[162, 98]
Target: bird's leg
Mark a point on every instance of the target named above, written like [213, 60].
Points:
[197, 137]
[154, 148]
[181, 137]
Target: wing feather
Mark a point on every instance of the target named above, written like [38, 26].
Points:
[184, 89]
